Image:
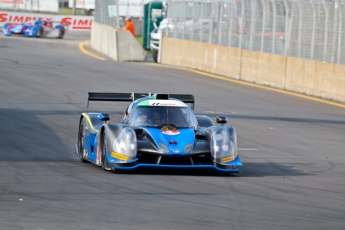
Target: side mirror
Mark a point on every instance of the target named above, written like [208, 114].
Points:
[222, 120]
[104, 117]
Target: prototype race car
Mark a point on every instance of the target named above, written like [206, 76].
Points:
[158, 130]
[16, 28]
[45, 29]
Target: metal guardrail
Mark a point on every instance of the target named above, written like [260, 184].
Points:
[309, 29]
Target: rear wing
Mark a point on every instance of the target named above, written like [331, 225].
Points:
[93, 96]
[130, 97]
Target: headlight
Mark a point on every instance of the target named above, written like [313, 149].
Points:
[126, 143]
[187, 148]
[222, 148]
[219, 136]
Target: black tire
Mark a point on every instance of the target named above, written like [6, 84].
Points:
[41, 35]
[104, 150]
[155, 55]
[62, 33]
[81, 141]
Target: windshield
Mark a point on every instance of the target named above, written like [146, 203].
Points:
[149, 116]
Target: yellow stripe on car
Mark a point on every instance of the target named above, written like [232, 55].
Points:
[119, 156]
[88, 120]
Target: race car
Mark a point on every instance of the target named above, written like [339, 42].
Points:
[157, 131]
[16, 28]
[46, 29]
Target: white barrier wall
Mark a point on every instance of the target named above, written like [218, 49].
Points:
[72, 22]
[315, 78]
[119, 45]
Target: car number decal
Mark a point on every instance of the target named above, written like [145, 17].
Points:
[162, 103]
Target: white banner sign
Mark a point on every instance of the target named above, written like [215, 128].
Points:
[71, 22]
[112, 10]
[133, 8]
[30, 5]
[82, 4]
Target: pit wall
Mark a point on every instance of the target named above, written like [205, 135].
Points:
[314, 78]
[119, 45]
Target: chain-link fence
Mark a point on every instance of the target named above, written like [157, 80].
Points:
[112, 12]
[106, 12]
[310, 29]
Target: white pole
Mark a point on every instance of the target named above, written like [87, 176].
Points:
[74, 7]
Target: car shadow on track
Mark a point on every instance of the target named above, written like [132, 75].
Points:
[178, 172]
[26, 138]
[255, 169]
[248, 170]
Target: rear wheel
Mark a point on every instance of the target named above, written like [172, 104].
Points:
[61, 33]
[81, 140]
[41, 32]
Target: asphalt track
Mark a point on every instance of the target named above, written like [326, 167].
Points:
[292, 149]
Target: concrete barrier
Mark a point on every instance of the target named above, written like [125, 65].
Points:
[211, 58]
[338, 83]
[320, 79]
[263, 68]
[119, 45]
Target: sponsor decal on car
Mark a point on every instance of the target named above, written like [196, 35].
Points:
[85, 153]
[162, 103]
[227, 159]
[171, 132]
[98, 154]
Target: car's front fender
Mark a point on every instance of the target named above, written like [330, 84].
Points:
[223, 143]
[120, 141]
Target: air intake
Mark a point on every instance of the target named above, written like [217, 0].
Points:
[162, 96]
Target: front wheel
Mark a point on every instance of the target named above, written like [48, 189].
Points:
[61, 33]
[81, 140]
[104, 150]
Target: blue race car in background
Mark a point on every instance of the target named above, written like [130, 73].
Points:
[16, 28]
[157, 131]
[46, 29]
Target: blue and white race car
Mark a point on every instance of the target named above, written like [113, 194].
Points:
[46, 29]
[16, 28]
[157, 131]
